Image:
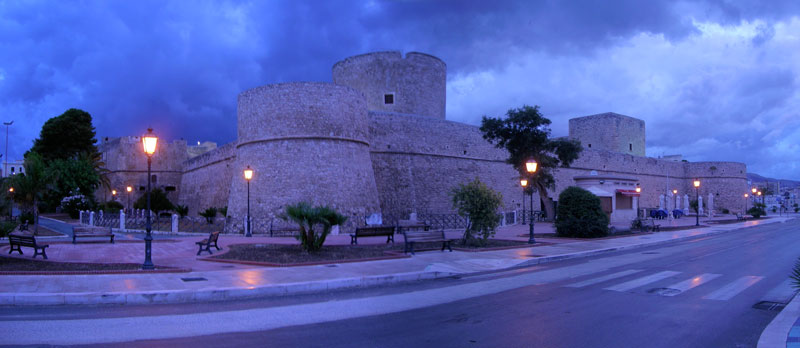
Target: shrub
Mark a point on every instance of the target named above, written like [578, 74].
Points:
[209, 214]
[223, 211]
[580, 214]
[73, 204]
[158, 201]
[726, 211]
[757, 210]
[113, 207]
[796, 274]
[796, 209]
[182, 210]
[7, 227]
[308, 218]
[479, 203]
[774, 209]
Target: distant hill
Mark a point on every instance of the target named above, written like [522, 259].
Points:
[784, 183]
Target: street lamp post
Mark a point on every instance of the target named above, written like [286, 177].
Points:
[130, 190]
[697, 199]
[5, 167]
[745, 204]
[113, 195]
[149, 142]
[638, 190]
[530, 167]
[524, 183]
[248, 174]
[11, 206]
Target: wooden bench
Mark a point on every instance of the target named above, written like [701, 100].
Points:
[206, 244]
[421, 236]
[91, 231]
[19, 240]
[373, 231]
[650, 224]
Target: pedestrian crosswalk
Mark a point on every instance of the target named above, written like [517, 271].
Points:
[716, 287]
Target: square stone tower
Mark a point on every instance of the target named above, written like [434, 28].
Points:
[609, 132]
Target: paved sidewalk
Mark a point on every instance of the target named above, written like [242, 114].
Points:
[246, 281]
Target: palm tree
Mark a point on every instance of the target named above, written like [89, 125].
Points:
[308, 217]
[99, 166]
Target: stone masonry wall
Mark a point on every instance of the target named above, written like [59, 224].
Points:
[207, 179]
[305, 142]
[127, 163]
[611, 132]
[419, 160]
[418, 81]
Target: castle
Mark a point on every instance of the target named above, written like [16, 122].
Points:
[376, 141]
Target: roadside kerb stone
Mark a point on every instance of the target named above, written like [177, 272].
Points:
[776, 333]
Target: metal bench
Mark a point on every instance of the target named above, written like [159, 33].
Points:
[91, 231]
[26, 241]
[373, 231]
[421, 236]
[206, 244]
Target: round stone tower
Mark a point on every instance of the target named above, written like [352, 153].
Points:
[414, 84]
[306, 142]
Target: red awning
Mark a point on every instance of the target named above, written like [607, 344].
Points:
[629, 193]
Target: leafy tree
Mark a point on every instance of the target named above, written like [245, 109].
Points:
[580, 214]
[30, 186]
[66, 136]
[223, 211]
[525, 134]
[209, 214]
[158, 201]
[796, 275]
[112, 207]
[68, 175]
[308, 217]
[479, 203]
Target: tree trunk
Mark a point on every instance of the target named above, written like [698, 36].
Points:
[546, 202]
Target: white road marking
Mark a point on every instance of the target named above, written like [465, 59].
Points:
[732, 289]
[603, 278]
[690, 283]
[642, 281]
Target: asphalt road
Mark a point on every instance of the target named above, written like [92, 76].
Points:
[698, 293]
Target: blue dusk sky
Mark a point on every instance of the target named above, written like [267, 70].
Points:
[714, 80]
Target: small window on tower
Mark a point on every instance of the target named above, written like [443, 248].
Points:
[630, 147]
[388, 98]
[590, 146]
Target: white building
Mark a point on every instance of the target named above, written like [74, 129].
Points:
[11, 168]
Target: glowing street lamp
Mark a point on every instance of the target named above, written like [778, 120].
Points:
[697, 199]
[113, 195]
[530, 167]
[149, 142]
[638, 188]
[524, 184]
[248, 174]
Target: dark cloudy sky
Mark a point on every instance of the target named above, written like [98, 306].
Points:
[714, 80]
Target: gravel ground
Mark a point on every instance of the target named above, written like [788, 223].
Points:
[15, 264]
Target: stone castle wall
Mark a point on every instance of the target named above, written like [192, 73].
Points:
[419, 160]
[306, 142]
[207, 179]
[418, 81]
[127, 163]
[611, 132]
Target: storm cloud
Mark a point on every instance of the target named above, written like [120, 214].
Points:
[713, 80]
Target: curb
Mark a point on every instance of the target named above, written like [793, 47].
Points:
[189, 295]
[776, 333]
[221, 294]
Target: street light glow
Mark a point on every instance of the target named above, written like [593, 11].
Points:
[530, 166]
[248, 173]
[149, 142]
[129, 189]
[697, 183]
[523, 182]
